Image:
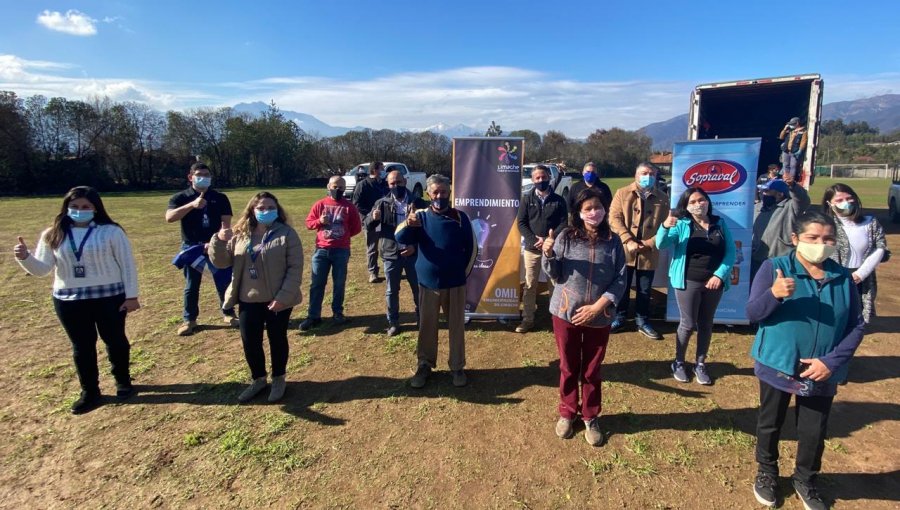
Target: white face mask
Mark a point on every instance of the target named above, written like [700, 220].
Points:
[815, 253]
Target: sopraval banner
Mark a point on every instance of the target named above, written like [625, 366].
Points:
[722, 168]
[487, 186]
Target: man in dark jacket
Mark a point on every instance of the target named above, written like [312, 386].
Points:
[447, 249]
[591, 176]
[793, 147]
[540, 212]
[388, 212]
[365, 194]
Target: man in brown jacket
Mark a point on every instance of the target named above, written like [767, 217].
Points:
[636, 212]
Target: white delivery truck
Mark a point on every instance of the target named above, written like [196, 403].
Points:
[759, 108]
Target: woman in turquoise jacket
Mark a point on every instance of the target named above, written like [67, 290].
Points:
[703, 253]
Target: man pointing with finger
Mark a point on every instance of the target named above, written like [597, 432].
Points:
[201, 211]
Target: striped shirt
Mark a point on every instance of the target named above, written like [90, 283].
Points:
[107, 260]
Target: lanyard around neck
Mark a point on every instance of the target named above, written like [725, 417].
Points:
[255, 253]
[78, 251]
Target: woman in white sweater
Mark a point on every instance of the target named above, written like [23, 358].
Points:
[94, 287]
[861, 244]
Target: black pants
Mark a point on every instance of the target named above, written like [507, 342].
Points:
[697, 306]
[255, 317]
[811, 414]
[83, 319]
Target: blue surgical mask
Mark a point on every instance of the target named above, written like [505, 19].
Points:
[202, 182]
[845, 208]
[645, 181]
[266, 217]
[590, 177]
[398, 191]
[80, 216]
[440, 204]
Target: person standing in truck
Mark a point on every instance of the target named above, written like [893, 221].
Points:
[365, 194]
[793, 147]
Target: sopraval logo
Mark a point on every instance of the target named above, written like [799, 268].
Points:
[508, 158]
[715, 176]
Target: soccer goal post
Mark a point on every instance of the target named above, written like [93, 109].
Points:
[860, 171]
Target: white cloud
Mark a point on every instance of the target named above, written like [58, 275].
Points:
[72, 22]
[513, 97]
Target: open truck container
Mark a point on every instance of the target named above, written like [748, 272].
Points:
[759, 108]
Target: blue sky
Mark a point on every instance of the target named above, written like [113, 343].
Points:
[573, 66]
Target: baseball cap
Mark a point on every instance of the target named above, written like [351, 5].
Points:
[776, 185]
[794, 121]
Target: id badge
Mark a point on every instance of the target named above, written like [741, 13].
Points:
[205, 221]
[253, 274]
[79, 272]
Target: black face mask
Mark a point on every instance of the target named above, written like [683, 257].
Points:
[768, 201]
[440, 203]
[398, 191]
[542, 186]
[336, 194]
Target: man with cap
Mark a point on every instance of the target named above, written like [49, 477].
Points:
[793, 147]
[783, 201]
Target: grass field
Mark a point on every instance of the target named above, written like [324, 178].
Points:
[350, 433]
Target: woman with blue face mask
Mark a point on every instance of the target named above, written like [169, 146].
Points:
[267, 259]
[861, 244]
[94, 288]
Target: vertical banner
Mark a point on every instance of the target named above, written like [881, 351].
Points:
[725, 169]
[487, 186]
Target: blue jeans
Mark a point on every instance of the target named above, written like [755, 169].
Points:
[323, 261]
[642, 303]
[392, 271]
[192, 279]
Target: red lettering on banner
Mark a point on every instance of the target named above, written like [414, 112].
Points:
[715, 176]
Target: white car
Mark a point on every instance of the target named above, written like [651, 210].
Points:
[415, 181]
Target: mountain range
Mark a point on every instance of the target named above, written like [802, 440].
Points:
[314, 126]
[882, 112]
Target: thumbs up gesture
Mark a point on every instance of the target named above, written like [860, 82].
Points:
[412, 220]
[783, 287]
[200, 202]
[21, 250]
[670, 221]
[549, 241]
[225, 234]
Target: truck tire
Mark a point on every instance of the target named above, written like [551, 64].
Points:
[893, 211]
[565, 195]
[417, 191]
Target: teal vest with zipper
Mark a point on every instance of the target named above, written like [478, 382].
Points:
[810, 323]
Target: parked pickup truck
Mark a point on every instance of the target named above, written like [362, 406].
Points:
[415, 181]
[558, 181]
[894, 197]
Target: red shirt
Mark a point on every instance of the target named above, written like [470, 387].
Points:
[345, 222]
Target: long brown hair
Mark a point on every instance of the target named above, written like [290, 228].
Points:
[247, 221]
[578, 230]
[62, 223]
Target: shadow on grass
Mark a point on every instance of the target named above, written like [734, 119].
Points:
[853, 486]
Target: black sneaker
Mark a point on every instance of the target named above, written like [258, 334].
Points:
[808, 494]
[88, 401]
[309, 323]
[339, 319]
[124, 391]
[765, 489]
